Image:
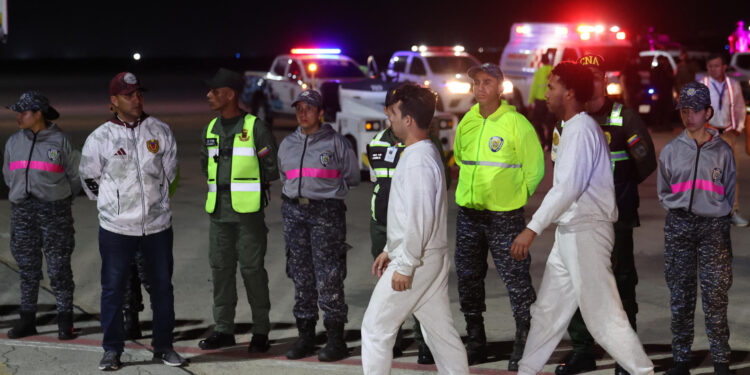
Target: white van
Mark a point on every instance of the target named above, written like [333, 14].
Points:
[522, 55]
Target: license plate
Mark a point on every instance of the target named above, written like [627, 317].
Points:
[644, 108]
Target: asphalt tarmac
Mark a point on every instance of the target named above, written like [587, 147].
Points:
[179, 100]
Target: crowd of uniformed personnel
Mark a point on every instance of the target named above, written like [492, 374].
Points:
[129, 166]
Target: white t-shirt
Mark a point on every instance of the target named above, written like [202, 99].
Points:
[417, 208]
[583, 189]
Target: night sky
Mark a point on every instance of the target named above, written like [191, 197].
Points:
[159, 29]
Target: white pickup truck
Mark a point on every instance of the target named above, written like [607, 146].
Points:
[353, 102]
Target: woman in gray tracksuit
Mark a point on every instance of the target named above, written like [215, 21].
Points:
[40, 168]
[696, 185]
[317, 167]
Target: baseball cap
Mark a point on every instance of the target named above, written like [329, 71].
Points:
[488, 68]
[124, 83]
[34, 101]
[591, 61]
[310, 97]
[226, 78]
[694, 95]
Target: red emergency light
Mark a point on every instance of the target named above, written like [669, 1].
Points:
[316, 51]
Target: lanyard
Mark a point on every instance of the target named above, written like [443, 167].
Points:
[721, 94]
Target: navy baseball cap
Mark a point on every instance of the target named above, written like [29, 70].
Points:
[694, 95]
[488, 68]
[34, 101]
[310, 97]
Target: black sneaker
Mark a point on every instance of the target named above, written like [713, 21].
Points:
[217, 340]
[259, 344]
[170, 358]
[110, 361]
[722, 369]
[679, 368]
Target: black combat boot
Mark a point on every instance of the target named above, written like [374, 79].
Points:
[305, 344]
[335, 348]
[25, 327]
[65, 326]
[424, 356]
[259, 343]
[522, 331]
[131, 326]
[576, 363]
[679, 368]
[722, 368]
[476, 343]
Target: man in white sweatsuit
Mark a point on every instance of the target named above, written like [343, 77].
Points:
[582, 204]
[413, 267]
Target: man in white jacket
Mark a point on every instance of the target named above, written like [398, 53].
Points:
[413, 267]
[582, 204]
[127, 166]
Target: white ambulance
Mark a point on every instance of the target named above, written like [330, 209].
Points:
[522, 55]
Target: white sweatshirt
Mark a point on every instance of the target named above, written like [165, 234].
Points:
[417, 208]
[583, 189]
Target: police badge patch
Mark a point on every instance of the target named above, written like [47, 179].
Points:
[53, 154]
[716, 175]
[496, 143]
[152, 145]
[325, 158]
[244, 137]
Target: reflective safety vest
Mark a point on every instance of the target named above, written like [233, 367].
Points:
[383, 157]
[245, 185]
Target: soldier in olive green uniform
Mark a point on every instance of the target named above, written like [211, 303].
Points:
[238, 157]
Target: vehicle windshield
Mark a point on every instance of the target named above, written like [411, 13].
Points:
[615, 57]
[335, 68]
[450, 64]
[645, 63]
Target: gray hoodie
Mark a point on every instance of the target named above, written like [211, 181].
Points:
[321, 165]
[42, 165]
[697, 180]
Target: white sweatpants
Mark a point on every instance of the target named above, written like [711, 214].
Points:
[579, 274]
[428, 301]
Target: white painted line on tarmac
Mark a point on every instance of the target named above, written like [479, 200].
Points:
[80, 348]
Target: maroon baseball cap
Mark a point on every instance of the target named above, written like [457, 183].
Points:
[124, 83]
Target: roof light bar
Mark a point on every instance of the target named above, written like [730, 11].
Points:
[316, 51]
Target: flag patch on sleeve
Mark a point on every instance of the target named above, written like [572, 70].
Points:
[633, 140]
[263, 151]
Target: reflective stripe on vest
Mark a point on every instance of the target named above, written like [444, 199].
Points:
[491, 164]
[730, 90]
[615, 117]
[245, 187]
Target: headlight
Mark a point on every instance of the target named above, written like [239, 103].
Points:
[614, 89]
[372, 126]
[456, 87]
[507, 87]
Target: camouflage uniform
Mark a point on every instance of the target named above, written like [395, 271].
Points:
[43, 227]
[699, 243]
[477, 232]
[315, 236]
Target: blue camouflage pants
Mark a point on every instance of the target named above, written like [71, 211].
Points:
[39, 227]
[697, 247]
[315, 236]
[480, 231]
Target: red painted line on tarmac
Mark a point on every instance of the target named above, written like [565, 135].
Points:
[241, 352]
